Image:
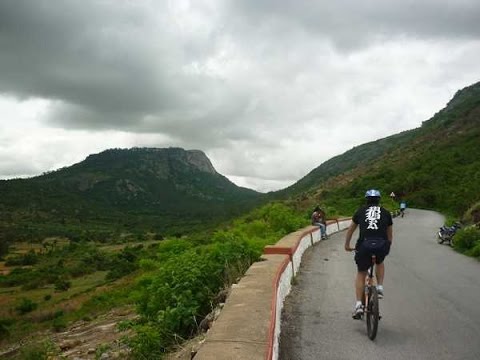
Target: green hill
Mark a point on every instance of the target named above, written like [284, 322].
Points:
[164, 191]
[436, 166]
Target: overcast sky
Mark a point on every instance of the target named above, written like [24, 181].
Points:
[267, 89]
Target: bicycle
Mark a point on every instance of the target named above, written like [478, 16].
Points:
[370, 302]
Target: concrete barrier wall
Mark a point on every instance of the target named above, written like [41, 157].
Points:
[283, 287]
[250, 323]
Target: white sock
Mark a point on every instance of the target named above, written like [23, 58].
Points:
[380, 287]
[358, 303]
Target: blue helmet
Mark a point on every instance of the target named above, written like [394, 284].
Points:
[372, 193]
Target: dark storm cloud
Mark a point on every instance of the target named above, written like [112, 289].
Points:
[106, 62]
[127, 65]
[350, 24]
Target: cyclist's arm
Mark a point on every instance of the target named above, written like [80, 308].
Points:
[348, 236]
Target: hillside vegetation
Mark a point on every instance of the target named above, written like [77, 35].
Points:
[133, 193]
[173, 283]
[436, 166]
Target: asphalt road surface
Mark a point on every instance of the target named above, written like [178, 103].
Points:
[431, 308]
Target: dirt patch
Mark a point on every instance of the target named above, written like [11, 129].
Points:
[87, 340]
[4, 270]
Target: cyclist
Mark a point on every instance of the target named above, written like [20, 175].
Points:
[403, 206]
[375, 223]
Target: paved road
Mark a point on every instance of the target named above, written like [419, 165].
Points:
[431, 308]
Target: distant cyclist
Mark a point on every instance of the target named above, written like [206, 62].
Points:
[403, 206]
[375, 224]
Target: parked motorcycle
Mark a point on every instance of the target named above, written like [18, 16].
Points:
[446, 233]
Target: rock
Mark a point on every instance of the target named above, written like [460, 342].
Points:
[222, 296]
[69, 344]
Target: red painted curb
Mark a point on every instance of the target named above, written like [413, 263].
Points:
[270, 250]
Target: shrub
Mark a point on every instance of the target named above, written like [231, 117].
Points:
[475, 251]
[102, 349]
[148, 264]
[120, 269]
[26, 306]
[38, 351]
[472, 215]
[146, 344]
[172, 247]
[34, 283]
[281, 218]
[62, 285]
[14, 261]
[59, 323]
[4, 327]
[30, 258]
[183, 289]
[467, 238]
[4, 245]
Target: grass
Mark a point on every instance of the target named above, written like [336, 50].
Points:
[119, 247]
[24, 246]
[89, 295]
[10, 296]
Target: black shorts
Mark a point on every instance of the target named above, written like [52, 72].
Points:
[363, 256]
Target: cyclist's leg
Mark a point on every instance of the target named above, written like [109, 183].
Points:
[380, 273]
[358, 309]
[363, 261]
[360, 284]
[380, 268]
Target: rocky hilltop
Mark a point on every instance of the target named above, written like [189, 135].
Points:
[147, 188]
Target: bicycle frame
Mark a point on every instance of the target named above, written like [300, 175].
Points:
[369, 281]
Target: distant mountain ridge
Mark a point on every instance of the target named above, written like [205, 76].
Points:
[149, 173]
[147, 188]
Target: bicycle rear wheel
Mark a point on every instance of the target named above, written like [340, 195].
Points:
[373, 313]
[452, 241]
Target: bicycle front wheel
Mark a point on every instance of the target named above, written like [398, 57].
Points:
[373, 313]
[440, 238]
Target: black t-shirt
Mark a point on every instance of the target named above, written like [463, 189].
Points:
[373, 222]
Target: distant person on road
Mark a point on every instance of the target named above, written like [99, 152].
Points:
[318, 219]
[403, 206]
[375, 223]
